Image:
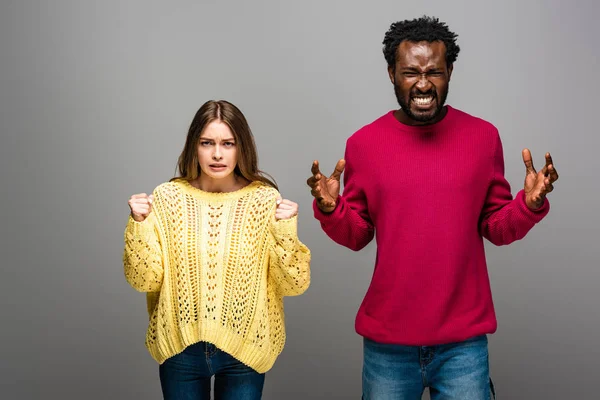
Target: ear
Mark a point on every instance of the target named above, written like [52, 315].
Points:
[391, 71]
[450, 68]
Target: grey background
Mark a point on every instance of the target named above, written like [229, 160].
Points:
[95, 102]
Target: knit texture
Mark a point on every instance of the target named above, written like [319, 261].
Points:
[429, 194]
[215, 267]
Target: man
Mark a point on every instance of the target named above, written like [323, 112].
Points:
[429, 179]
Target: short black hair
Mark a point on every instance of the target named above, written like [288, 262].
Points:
[428, 29]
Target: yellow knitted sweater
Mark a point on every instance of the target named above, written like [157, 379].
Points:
[215, 267]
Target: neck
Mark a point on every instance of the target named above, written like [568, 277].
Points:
[225, 185]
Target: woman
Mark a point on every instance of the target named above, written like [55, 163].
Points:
[216, 249]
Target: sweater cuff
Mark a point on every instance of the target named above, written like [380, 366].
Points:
[140, 230]
[534, 216]
[285, 232]
[286, 227]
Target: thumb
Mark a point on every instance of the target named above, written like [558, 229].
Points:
[150, 200]
[527, 161]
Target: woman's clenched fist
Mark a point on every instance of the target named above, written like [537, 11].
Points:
[141, 206]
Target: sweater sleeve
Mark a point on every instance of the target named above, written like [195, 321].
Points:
[349, 224]
[504, 219]
[142, 257]
[289, 259]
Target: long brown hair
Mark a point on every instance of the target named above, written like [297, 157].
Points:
[247, 156]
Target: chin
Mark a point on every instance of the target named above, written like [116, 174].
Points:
[421, 117]
[217, 175]
[425, 116]
[221, 175]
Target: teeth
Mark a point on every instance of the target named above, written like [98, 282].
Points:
[422, 100]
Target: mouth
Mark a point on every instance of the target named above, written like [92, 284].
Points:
[423, 102]
[218, 167]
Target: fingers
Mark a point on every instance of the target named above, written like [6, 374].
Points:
[549, 173]
[527, 161]
[315, 168]
[284, 203]
[141, 210]
[548, 186]
[284, 215]
[552, 173]
[141, 198]
[545, 187]
[286, 209]
[140, 205]
[317, 176]
[550, 170]
[316, 193]
[339, 168]
[312, 181]
[544, 170]
[548, 159]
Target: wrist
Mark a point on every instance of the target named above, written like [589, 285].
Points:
[326, 209]
[534, 205]
[137, 217]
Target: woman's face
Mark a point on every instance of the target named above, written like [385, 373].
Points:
[217, 152]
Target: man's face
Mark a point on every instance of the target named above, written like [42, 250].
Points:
[420, 78]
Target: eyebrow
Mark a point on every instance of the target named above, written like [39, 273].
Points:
[415, 69]
[224, 140]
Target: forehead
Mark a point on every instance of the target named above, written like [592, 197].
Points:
[217, 130]
[421, 54]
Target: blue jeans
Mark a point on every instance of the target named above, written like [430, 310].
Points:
[187, 376]
[456, 371]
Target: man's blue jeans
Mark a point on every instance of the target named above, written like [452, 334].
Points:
[187, 376]
[456, 371]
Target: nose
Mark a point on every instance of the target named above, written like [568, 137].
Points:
[217, 155]
[423, 83]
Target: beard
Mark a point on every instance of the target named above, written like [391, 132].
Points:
[421, 116]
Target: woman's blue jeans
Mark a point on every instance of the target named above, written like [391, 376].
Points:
[187, 376]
